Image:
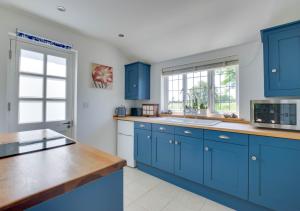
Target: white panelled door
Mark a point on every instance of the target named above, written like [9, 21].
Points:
[41, 89]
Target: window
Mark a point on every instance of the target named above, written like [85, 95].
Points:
[215, 89]
[42, 87]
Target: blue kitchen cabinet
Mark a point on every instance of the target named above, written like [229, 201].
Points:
[137, 81]
[274, 179]
[142, 146]
[282, 60]
[189, 158]
[226, 167]
[163, 151]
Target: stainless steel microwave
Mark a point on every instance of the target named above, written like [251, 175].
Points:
[280, 114]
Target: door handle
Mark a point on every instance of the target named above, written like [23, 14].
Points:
[69, 124]
[223, 137]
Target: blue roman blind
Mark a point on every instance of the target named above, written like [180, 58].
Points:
[42, 40]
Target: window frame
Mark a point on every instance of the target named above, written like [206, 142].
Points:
[211, 90]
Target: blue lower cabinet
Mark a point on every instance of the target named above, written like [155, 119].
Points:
[163, 151]
[226, 167]
[189, 158]
[105, 193]
[142, 146]
[274, 167]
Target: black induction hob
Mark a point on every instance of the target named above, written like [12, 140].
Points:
[17, 148]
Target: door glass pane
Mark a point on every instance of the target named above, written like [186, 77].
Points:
[30, 112]
[31, 86]
[56, 111]
[31, 62]
[56, 66]
[56, 88]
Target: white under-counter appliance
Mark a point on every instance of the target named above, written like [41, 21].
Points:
[125, 145]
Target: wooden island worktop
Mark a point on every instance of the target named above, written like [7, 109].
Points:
[243, 128]
[29, 179]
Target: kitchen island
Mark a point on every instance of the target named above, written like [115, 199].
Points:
[74, 177]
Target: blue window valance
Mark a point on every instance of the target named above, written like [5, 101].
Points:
[42, 40]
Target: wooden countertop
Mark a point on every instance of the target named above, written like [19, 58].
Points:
[29, 179]
[223, 126]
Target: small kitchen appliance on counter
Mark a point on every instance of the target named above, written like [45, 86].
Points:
[136, 112]
[120, 111]
[150, 110]
[277, 114]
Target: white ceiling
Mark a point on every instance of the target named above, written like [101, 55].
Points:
[158, 30]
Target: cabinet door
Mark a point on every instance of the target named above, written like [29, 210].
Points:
[226, 167]
[274, 171]
[131, 82]
[189, 158]
[284, 62]
[142, 146]
[163, 151]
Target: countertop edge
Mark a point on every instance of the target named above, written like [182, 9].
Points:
[252, 130]
[45, 195]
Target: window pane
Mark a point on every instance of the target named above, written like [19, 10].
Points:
[56, 111]
[30, 112]
[31, 62]
[56, 88]
[30, 86]
[56, 66]
[225, 89]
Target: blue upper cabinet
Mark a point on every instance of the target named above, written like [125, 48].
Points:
[282, 60]
[274, 180]
[137, 81]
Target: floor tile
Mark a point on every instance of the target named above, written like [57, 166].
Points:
[187, 201]
[213, 206]
[134, 207]
[143, 192]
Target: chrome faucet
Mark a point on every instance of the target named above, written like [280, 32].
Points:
[188, 109]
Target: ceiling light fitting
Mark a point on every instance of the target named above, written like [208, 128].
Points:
[61, 8]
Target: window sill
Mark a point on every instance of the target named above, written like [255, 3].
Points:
[208, 116]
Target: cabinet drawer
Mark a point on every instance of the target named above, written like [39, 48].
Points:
[163, 128]
[234, 138]
[190, 132]
[142, 125]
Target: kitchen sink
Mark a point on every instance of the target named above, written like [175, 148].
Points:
[190, 121]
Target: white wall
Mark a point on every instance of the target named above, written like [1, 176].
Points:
[250, 72]
[95, 125]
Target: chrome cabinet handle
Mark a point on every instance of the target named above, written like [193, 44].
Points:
[206, 149]
[274, 70]
[223, 137]
[148, 137]
[162, 129]
[177, 142]
[254, 158]
[142, 126]
[187, 132]
[170, 141]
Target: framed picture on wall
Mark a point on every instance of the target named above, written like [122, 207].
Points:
[102, 76]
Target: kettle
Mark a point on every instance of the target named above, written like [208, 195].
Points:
[120, 111]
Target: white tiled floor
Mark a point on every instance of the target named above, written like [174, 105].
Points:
[143, 192]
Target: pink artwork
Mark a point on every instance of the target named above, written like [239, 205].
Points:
[102, 76]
